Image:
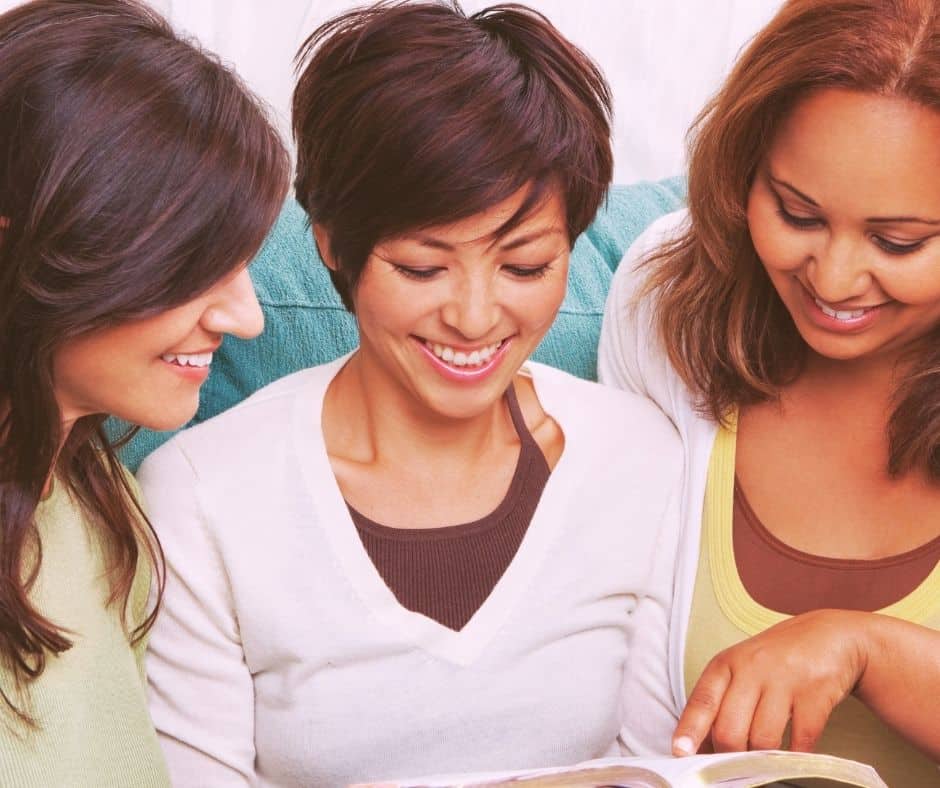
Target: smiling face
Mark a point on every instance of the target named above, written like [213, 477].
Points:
[149, 371]
[448, 314]
[844, 213]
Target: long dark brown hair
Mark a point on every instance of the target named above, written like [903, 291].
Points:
[135, 173]
[735, 342]
[413, 114]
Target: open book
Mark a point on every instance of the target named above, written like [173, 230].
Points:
[728, 770]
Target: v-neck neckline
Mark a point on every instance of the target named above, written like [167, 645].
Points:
[460, 647]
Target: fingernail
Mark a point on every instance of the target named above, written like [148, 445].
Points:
[683, 745]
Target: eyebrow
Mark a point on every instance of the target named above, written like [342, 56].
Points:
[871, 219]
[515, 243]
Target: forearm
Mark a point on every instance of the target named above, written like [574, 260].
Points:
[901, 679]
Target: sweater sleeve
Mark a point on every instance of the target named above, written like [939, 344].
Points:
[201, 691]
[649, 711]
[630, 355]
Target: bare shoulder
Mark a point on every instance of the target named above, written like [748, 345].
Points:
[618, 425]
[545, 430]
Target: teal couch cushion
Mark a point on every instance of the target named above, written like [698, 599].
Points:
[306, 324]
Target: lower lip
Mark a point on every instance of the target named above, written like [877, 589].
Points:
[833, 324]
[195, 374]
[467, 375]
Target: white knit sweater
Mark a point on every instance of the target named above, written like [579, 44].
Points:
[281, 657]
[631, 356]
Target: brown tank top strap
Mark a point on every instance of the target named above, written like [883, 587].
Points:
[518, 420]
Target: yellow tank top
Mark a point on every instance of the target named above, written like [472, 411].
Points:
[723, 614]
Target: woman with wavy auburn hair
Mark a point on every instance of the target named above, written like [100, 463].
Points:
[788, 323]
[136, 178]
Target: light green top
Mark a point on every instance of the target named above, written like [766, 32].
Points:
[90, 702]
[723, 613]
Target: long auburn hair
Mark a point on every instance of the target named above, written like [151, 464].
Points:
[736, 343]
[135, 173]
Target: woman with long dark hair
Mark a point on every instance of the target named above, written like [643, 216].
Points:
[137, 177]
[789, 325]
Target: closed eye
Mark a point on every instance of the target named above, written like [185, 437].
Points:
[799, 222]
[895, 248]
[420, 274]
[528, 271]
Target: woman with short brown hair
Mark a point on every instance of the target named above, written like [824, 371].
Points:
[430, 555]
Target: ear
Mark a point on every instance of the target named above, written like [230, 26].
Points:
[322, 237]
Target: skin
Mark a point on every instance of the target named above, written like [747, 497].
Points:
[845, 210]
[120, 370]
[391, 417]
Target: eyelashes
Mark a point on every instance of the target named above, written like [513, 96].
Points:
[812, 222]
[799, 222]
[419, 274]
[528, 272]
[894, 248]
[517, 271]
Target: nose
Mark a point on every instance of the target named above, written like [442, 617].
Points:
[840, 271]
[234, 308]
[472, 309]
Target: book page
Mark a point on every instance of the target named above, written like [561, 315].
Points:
[729, 770]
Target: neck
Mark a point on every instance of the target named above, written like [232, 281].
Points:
[869, 381]
[375, 419]
[67, 425]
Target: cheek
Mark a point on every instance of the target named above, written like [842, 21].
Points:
[914, 285]
[539, 307]
[391, 307]
[780, 249]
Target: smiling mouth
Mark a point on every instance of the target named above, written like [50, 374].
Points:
[188, 359]
[845, 315]
[463, 359]
[841, 315]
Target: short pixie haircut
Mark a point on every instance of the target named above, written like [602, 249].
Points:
[411, 115]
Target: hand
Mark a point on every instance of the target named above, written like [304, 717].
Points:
[799, 670]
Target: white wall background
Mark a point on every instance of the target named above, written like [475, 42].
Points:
[663, 58]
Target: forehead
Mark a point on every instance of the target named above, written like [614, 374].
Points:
[864, 153]
[484, 227]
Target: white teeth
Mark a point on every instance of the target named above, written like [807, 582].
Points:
[460, 358]
[840, 314]
[188, 359]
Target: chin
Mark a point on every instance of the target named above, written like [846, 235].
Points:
[837, 351]
[167, 420]
[460, 408]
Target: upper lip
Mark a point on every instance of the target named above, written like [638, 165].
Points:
[463, 348]
[190, 352]
[841, 306]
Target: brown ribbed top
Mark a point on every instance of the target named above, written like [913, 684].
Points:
[790, 581]
[446, 573]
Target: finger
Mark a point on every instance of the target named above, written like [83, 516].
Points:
[701, 709]
[810, 715]
[770, 719]
[733, 723]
